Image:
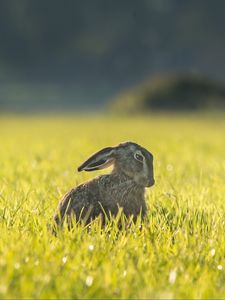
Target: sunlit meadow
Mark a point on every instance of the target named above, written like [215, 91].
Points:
[180, 251]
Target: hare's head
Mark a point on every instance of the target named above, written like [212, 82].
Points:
[128, 158]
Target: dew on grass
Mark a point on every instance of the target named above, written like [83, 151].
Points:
[17, 266]
[47, 278]
[91, 248]
[3, 289]
[64, 259]
[34, 211]
[27, 259]
[89, 280]
[36, 263]
[172, 276]
[52, 247]
[213, 252]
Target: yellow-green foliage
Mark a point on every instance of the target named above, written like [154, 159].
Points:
[180, 251]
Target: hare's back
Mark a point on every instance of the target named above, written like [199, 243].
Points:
[79, 202]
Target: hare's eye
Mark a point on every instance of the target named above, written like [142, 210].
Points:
[138, 157]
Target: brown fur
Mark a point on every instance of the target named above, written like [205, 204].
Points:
[106, 193]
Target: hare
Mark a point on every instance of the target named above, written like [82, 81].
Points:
[124, 187]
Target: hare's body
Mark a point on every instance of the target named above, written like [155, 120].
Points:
[104, 195]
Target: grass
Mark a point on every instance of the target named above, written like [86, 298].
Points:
[179, 253]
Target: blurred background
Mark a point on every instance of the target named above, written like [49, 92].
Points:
[91, 55]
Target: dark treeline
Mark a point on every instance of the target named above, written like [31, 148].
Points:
[92, 49]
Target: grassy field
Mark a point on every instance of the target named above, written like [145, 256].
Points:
[179, 253]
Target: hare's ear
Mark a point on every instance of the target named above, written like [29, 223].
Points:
[100, 160]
